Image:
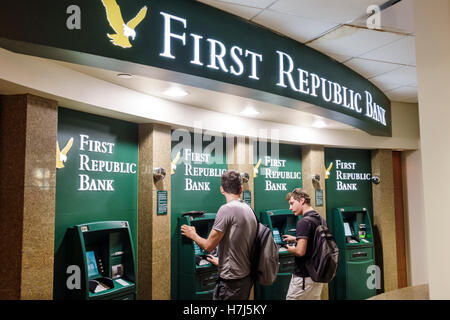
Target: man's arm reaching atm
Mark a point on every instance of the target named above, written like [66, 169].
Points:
[300, 249]
[206, 244]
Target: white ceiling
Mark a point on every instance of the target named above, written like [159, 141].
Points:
[386, 57]
[213, 100]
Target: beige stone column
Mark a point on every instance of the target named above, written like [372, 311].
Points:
[313, 163]
[153, 252]
[240, 158]
[384, 215]
[28, 127]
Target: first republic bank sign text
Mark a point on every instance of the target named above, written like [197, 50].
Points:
[194, 44]
[247, 63]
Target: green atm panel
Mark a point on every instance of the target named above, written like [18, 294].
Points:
[352, 229]
[197, 276]
[281, 222]
[105, 255]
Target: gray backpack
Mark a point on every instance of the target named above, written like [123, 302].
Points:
[324, 260]
[265, 262]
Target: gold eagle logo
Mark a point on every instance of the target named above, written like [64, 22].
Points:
[173, 165]
[123, 31]
[328, 170]
[61, 156]
[256, 168]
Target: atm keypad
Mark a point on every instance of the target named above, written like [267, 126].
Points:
[100, 265]
[197, 249]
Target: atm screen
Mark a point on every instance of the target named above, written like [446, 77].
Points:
[276, 236]
[203, 227]
[347, 230]
[92, 263]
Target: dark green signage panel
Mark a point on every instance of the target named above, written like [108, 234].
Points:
[348, 174]
[191, 43]
[198, 162]
[277, 171]
[348, 179]
[96, 177]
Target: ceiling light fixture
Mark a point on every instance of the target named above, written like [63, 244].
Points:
[249, 111]
[319, 124]
[124, 75]
[176, 92]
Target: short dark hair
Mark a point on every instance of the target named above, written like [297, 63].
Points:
[297, 194]
[231, 181]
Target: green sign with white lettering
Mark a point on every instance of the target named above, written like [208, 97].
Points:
[319, 198]
[348, 174]
[277, 171]
[198, 162]
[161, 202]
[96, 177]
[247, 197]
[188, 42]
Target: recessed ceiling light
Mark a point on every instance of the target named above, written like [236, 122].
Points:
[249, 111]
[124, 75]
[176, 92]
[319, 124]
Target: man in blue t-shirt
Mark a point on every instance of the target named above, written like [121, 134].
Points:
[302, 287]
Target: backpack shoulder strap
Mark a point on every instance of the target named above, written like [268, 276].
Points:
[254, 266]
[314, 219]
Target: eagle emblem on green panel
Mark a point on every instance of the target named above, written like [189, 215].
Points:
[123, 31]
[328, 170]
[61, 155]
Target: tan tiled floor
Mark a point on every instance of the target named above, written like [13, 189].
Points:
[410, 293]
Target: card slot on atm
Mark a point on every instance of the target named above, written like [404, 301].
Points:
[201, 260]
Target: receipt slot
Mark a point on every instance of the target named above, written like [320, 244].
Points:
[281, 222]
[352, 230]
[104, 253]
[198, 276]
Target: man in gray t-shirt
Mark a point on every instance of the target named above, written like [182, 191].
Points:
[238, 223]
[234, 233]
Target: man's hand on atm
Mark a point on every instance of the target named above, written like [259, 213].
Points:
[208, 244]
[188, 231]
[288, 238]
[214, 260]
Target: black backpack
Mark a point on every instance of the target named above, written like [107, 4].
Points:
[323, 263]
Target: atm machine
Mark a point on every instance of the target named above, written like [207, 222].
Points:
[197, 276]
[352, 229]
[281, 222]
[104, 253]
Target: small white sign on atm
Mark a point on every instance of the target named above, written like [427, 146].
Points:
[122, 282]
[347, 230]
